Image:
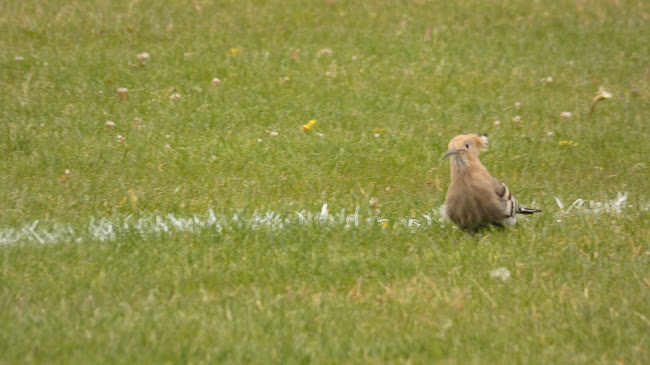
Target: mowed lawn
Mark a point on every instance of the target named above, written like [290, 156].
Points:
[260, 182]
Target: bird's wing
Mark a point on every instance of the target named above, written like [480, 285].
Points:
[506, 203]
[510, 204]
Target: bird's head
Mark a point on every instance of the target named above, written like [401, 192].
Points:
[465, 148]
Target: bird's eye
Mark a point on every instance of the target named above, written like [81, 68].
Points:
[467, 146]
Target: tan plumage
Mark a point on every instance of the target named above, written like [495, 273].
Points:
[475, 199]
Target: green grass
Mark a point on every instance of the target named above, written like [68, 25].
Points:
[320, 291]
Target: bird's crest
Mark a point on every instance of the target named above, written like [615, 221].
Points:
[484, 139]
[467, 142]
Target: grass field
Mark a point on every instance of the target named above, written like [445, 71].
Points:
[192, 220]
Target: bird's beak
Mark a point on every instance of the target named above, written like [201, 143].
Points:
[452, 151]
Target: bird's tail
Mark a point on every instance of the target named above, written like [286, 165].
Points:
[524, 210]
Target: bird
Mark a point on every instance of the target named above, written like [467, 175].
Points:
[476, 200]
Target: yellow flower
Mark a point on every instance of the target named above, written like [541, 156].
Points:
[567, 143]
[307, 127]
[235, 51]
[384, 224]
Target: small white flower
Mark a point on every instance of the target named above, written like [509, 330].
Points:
[143, 56]
[110, 124]
[273, 134]
[517, 105]
[67, 172]
[497, 122]
[324, 52]
[214, 158]
[565, 115]
[120, 139]
[377, 135]
[501, 273]
[19, 58]
[354, 58]
[516, 119]
[319, 134]
[122, 91]
[287, 78]
[167, 147]
[329, 74]
[216, 81]
[602, 94]
[547, 80]
[259, 140]
[173, 97]
[550, 133]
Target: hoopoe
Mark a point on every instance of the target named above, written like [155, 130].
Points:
[475, 199]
